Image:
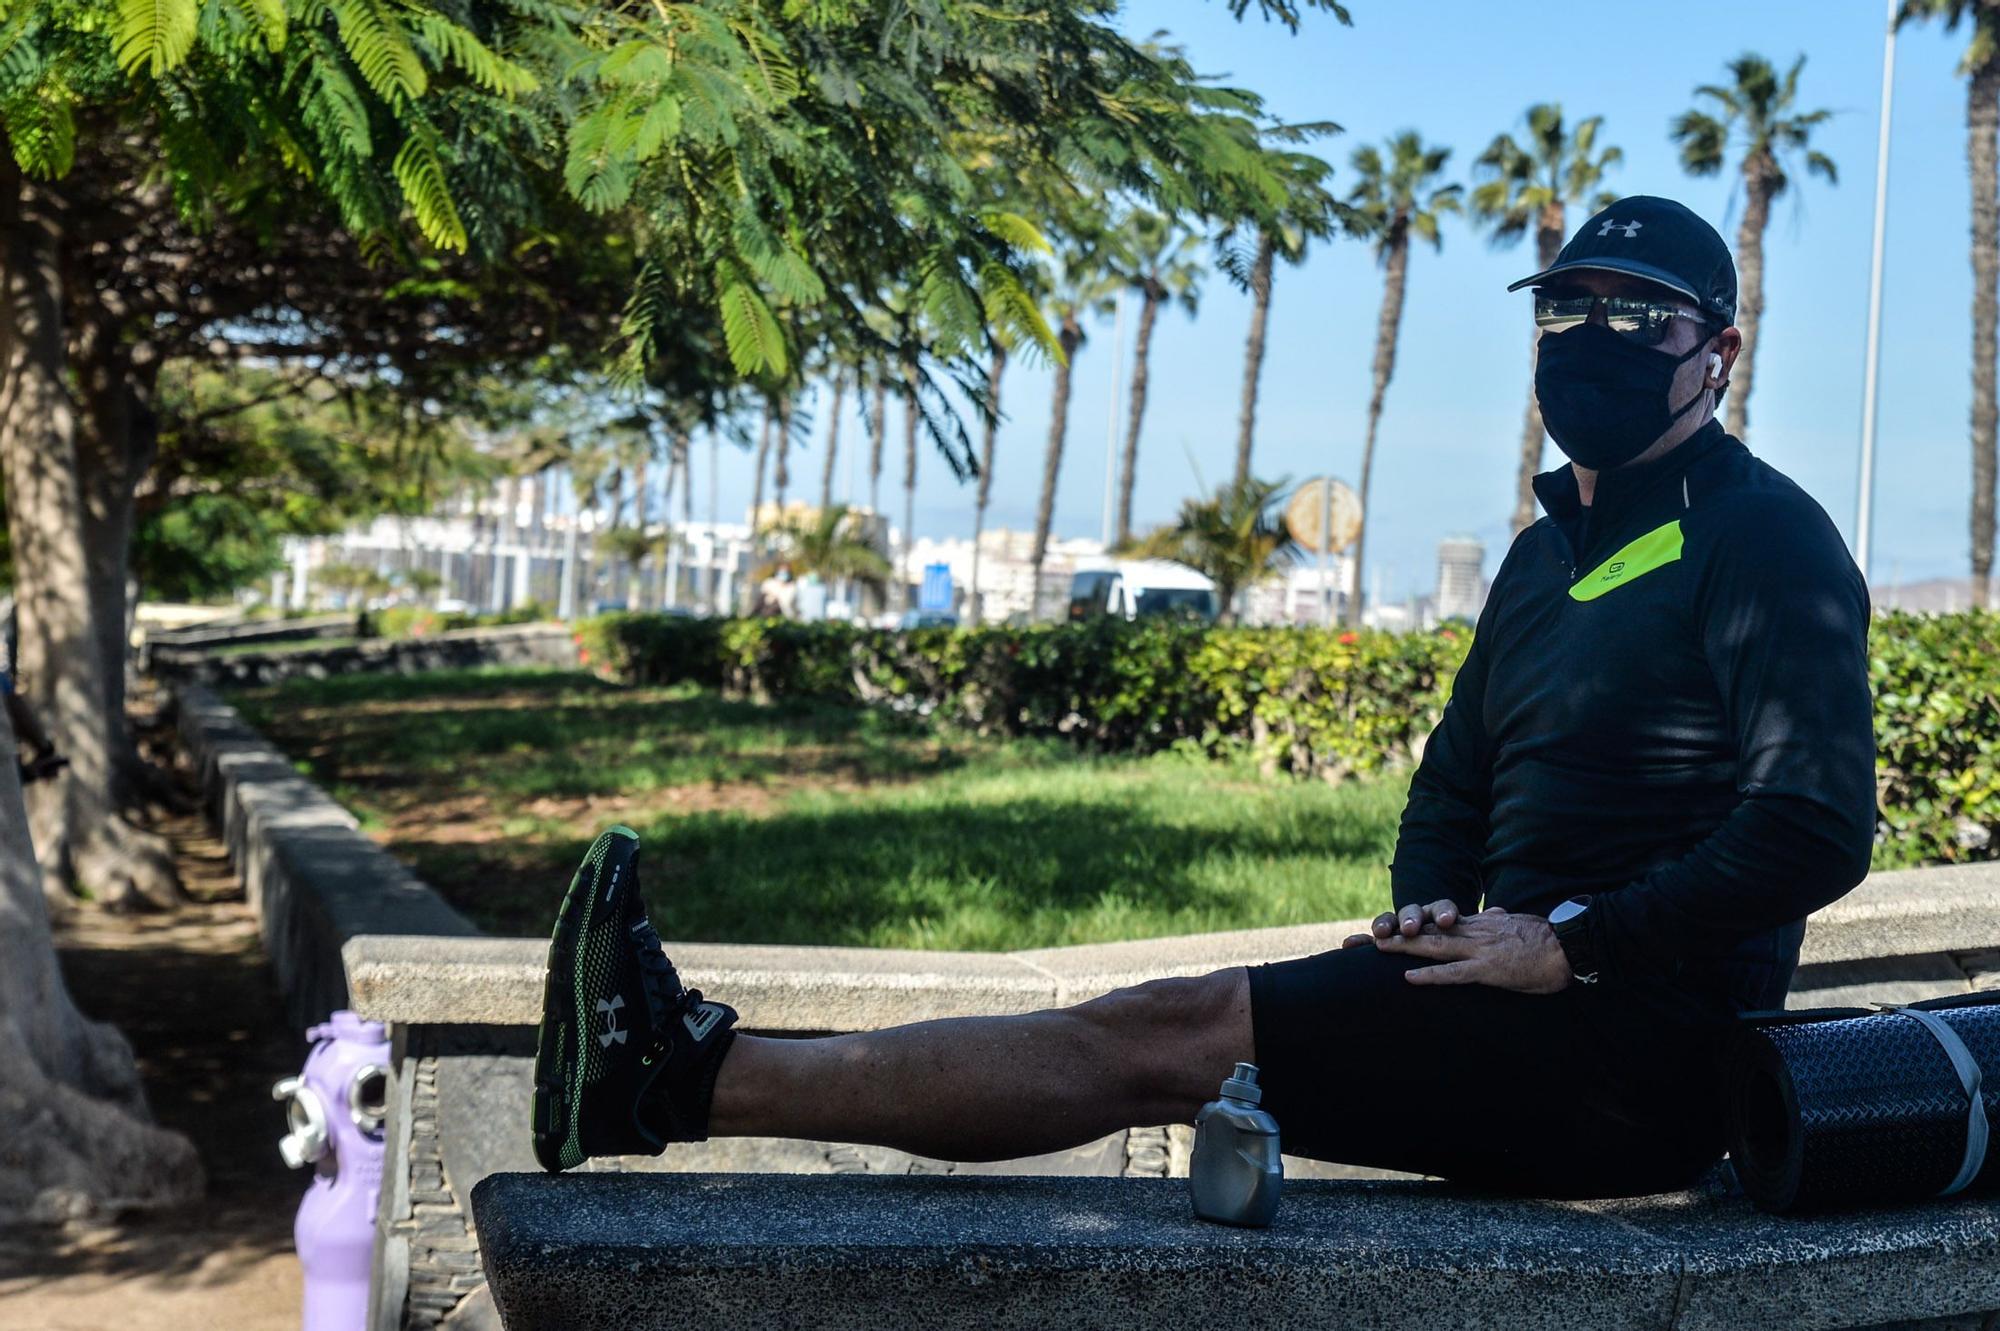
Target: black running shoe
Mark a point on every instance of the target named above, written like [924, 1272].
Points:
[627, 1057]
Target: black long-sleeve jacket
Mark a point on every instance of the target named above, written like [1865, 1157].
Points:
[1666, 706]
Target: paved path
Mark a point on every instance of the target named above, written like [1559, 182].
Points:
[194, 995]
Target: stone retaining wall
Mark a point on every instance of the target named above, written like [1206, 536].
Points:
[519, 645]
[314, 880]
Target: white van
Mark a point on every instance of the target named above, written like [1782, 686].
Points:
[1131, 588]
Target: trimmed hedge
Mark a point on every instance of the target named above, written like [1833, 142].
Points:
[1309, 702]
[1936, 680]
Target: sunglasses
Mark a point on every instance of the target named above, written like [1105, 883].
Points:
[1643, 321]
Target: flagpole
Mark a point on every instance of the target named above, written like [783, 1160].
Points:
[1865, 501]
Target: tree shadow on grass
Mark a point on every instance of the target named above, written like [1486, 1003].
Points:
[1021, 872]
[594, 746]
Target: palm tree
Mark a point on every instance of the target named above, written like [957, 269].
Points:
[781, 474]
[763, 455]
[1282, 206]
[912, 414]
[974, 607]
[832, 438]
[829, 542]
[1156, 259]
[1400, 197]
[878, 429]
[1083, 286]
[1981, 66]
[1233, 537]
[1756, 109]
[1530, 186]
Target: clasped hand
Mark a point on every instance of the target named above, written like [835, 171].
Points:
[1517, 952]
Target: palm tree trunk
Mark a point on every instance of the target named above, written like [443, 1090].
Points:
[1253, 351]
[975, 607]
[1757, 190]
[910, 418]
[878, 427]
[1982, 124]
[832, 441]
[783, 476]
[1149, 311]
[763, 453]
[1070, 336]
[1548, 244]
[635, 571]
[1395, 274]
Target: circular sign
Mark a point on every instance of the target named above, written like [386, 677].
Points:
[1306, 515]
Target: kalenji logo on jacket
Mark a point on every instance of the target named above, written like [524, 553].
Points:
[1656, 549]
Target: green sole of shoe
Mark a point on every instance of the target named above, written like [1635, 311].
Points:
[583, 945]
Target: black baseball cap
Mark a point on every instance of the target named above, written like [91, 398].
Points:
[1659, 240]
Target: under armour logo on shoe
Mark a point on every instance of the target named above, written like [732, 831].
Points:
[612, 1030]
[1630, 229]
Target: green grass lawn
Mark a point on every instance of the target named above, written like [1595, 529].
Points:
[802, 823]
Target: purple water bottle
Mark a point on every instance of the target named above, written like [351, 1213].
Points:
[335, 1110]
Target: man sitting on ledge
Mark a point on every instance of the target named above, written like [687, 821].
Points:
[1657, 760]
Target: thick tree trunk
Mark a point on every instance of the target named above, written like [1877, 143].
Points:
[70, 484]
[1149, 311]
[974, 605]
[76, 1138]
[1548, 244]
[1253, 351]
[1070, 335]
[1395, 274]
[878, 431]
[910, 417]
[1982, 123]
[832, 441]
[1757, 190]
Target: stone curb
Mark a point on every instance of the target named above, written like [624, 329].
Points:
[517, 644]
[1917, 914]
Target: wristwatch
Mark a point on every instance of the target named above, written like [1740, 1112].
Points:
[1572, 926]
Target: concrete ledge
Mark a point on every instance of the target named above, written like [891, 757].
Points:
[314, 880]
[1896, 927]
[519, 645]
[724, 1251]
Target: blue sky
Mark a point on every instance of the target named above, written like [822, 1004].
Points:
[1460, 71]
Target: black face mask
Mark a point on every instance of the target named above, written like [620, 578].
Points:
[1604, 397]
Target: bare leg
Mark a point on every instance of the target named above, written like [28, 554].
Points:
[995, 1088]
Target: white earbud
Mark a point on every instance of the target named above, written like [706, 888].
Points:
[1714, 365]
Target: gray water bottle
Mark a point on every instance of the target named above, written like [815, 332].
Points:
[1237, 1171]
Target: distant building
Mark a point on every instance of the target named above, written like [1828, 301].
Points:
[1461, 585]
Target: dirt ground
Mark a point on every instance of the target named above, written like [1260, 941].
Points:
[194, 996]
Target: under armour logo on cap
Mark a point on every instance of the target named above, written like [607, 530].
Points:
[1657, 241]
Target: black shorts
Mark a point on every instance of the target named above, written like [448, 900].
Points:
[1595, 1091]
